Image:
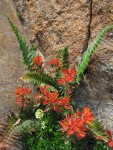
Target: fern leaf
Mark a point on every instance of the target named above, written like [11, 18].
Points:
[82, 65]
[28, 52]
[11, 137]
[98, 130]
[64, 58]
[41, 78]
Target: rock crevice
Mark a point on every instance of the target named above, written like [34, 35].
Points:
[88, 33]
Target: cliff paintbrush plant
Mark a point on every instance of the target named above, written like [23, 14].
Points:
[59, 125]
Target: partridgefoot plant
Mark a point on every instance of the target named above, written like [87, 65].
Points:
[59, 126]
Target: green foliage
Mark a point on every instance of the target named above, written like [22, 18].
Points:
[28, 52]
[48, 138]
[41, 78]
[83, 63]
[26, 126]
[90, 143]
[38, 142]
[98, 129]
[11, 132]
[99, 145]
[64, 58]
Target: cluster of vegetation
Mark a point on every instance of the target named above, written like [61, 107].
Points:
[47, 119]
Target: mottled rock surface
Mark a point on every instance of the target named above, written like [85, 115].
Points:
[10, 58]
[53, 23]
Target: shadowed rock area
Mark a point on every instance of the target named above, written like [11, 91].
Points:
[11, 68]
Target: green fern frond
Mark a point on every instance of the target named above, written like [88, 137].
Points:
[11, 137]
[98, 130]
[41, 78]
[27, 126]
[28, 52]
[83, 63]
[64, 58]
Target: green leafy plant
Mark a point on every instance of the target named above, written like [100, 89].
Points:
[83, 63]
[64, 56]
[44, 78]
[47, 137]
[12, 129]
[52, 106]
[28, 52]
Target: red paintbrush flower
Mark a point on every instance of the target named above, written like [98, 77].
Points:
[51, 98]
[21, 91]
[70, 72]
[55, 61]
[21, 102]
[21, 94]
[68, 76]
[52, 101]
[61, 81]
[87, 116]
[37, 97]
[38, 61]
[64, 102]
[44, 90]
[72, 125]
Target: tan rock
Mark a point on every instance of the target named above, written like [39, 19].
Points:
[56, 23]
[10, 58]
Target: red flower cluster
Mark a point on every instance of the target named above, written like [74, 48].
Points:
[86, 115]
[21, 94]
[37, 97]
[55, 61]
[68, 76]
[52, 101]
[38, 61]
[75, 123]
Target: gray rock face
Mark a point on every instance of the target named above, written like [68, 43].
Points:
[96, 91]
[10, 58]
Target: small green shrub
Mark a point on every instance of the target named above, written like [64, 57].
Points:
[48, 137]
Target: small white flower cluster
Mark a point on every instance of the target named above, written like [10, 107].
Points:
[43, 125]
[39, 114]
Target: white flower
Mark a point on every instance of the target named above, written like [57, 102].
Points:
[39, 114]
[43, 125]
